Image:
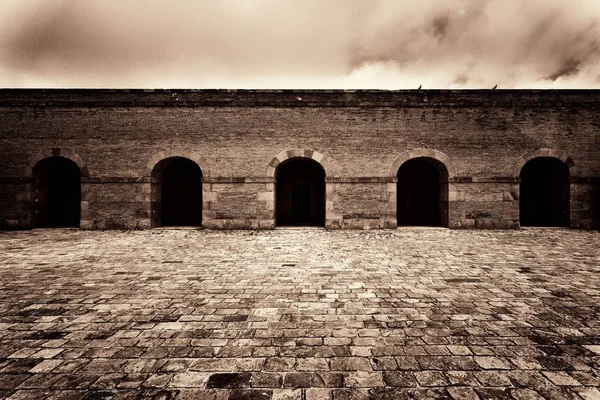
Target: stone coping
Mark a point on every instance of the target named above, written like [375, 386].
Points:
[297, 98]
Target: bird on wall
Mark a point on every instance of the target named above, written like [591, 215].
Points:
[495, 87]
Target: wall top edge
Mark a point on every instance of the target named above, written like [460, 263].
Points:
[298, 98]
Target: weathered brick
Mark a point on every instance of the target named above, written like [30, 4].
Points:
[116, 137]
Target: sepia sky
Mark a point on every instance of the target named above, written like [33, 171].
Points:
[383, 44]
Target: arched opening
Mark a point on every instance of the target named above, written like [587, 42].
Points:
[300, 193]
[544, 193]
[56, 187]
[422, 193]
[177, 193]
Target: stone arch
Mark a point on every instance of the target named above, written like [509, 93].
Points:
[544, 152]
[422, 187]
[57, 152]
[153, 171]
[168, 153]
[57, 193]
[299, 153]
[422, 152]
[176, 192]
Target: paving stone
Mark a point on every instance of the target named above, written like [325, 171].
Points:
[493, 378]
[493, 393]
[525, 394]
[460, 350]
[75, 381]
[593, 348]
[328, 379]
[527, 379]
[363, 379]
[249, 364]
[250, 394]
[588, 393]
[107, 381]
[21, 365]
[287, 394]
[318, 394]
[189, 379]
[463, 393]
[525, 363]
[132, 381]
[431, 378]
[157, 380]
[203, 394]
[407, 363]
[139, 366]
[384, 364]
[352, 394]
[228, 381]
[266, 380]
[39, 381]
[417, 310]
[350, 364]
[398, 378]
[213, 364]
[559, 393]
[176, 365]
[561, 378]
[312, 364]
[461, 378]
[279, 364]
[492, 363]
[11, 381]
[45, 366]
[99, 395]
[297, 380]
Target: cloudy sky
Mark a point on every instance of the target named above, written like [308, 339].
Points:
[386, 44]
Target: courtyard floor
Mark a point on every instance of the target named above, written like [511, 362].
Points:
[302, 314]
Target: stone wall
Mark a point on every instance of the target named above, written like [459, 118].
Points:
[483, 138]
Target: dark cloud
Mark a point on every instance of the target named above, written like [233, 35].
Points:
[440, 25]
[569, 67]
[304, 44]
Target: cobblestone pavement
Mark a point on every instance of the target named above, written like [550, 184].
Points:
[300, 314]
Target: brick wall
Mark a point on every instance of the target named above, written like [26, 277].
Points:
[118, 135]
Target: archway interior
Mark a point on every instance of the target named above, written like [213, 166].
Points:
[422, 193]
[177, 193]
[544, 193]
[56, 187]
[300, 193]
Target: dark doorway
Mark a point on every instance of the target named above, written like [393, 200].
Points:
[177, 193]
[56, 188]
[422, 193]
[300, 193]
[544, 193]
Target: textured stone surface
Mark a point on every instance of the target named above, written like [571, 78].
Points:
[237, 137]
[300, 314]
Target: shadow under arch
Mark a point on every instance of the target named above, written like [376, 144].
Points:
[176, 192]
[300, 193]
[422, 191]
[545, 177]
[545, 188]
[56, 193]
